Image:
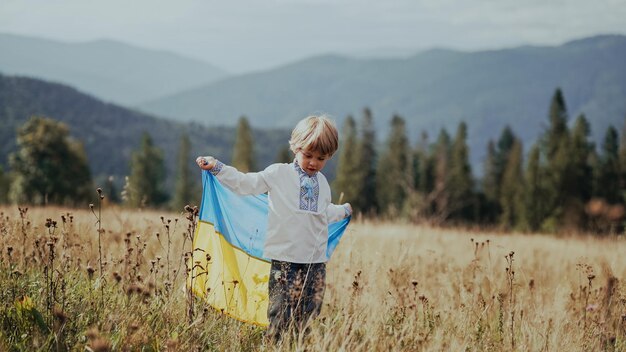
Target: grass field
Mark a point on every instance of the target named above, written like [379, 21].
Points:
[389, 287]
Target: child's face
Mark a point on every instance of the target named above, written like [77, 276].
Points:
[311, 161]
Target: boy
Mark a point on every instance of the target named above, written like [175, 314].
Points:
[300, 210]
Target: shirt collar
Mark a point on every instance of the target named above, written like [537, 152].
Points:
[300, 171]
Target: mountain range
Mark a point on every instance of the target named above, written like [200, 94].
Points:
[111, 70]
[433, 89]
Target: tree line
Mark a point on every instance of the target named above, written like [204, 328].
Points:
[49, 167]
[562, 183]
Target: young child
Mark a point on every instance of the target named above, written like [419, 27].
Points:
[300, 210]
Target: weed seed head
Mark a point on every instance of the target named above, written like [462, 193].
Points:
[90, 272]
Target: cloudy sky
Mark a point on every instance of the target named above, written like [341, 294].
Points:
[245, 35]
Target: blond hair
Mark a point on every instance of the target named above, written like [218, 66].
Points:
[315, 133]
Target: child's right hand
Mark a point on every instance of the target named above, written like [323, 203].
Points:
[206, 162]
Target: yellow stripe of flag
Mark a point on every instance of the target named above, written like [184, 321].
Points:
[229, 279]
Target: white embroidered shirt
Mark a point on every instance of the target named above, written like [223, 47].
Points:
[300, 209]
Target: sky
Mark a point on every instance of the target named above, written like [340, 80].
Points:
[250, 35]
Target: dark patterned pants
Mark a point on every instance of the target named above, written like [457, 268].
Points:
[296, 292]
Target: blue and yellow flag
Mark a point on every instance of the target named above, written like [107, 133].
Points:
[228, 269]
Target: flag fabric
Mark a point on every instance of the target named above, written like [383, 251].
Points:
[228, 268]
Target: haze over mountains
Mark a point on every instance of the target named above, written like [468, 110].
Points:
[431, 89]
[110, 70]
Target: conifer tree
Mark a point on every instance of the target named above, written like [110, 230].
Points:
[512, 189]
[496, 163]
[559, 163]
[459, 183]
[505, 144]
[608, 169]
[183, 193]
[441, 168]
[558, 125]
[393, 176]
[49, 167]
[367, 199]
[243, 152]
[581, 151]
[147, 175]
[423, 166]
[348, 167]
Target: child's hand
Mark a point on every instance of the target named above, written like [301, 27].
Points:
[206, 162]
[348, 209]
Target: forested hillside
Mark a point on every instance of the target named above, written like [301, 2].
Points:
[110, 132]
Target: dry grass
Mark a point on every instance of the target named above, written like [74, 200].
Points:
[389, 287]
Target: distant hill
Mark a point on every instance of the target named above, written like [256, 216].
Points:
[110, 70]
[110, 132]
[432, 89]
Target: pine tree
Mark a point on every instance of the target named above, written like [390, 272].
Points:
[423, 166]
[49, 167]
[505, 144]
[459, 183]
[609, 171]
[183, 193]
[147, 175]
[367, 199]
[558, 125]
[559, 164]
[496, 163]
[441, 167]
[512, 189]
[243, 152]
[348, 167]
[393, 174]
[582, 178]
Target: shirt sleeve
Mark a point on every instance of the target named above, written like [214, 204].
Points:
[335, 212]
[250, 183]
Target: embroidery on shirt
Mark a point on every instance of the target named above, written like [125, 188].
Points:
[217, 168]
[309, 189]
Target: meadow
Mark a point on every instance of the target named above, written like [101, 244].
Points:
[71, 282]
